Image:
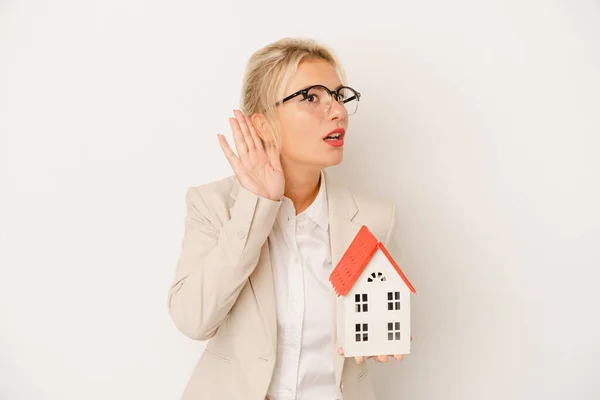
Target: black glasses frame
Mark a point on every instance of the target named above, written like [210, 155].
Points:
[334, 93]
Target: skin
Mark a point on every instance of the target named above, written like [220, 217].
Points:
[294, 171]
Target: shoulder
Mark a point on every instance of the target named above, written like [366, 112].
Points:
[365, 201]
[356, 200]
[211, 199]
[368, 202]
[378, 213]
[218, 190]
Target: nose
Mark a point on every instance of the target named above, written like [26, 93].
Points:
[337, 110]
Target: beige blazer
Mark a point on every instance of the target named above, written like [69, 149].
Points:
[223, 287]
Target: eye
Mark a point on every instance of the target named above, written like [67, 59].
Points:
[312, 98]
[315, 95]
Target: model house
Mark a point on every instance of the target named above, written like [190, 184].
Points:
[373, 305]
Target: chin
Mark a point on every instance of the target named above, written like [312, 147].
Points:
[333, 161]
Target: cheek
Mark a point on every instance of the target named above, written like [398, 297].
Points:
[297, 141]
[299, 131]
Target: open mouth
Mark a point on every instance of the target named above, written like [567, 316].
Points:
[333, 136]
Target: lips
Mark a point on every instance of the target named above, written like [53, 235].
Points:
[336, 134]
[335, 138]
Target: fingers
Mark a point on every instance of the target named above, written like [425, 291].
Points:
[241, 120]
[238, 127]
[238, 138]
[385, 358]
[273, 154]
[234, 161]
[380, 358]
[251, 141]
[253, 134]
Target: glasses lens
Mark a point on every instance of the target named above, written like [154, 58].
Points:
[349, 99]
[319, 99]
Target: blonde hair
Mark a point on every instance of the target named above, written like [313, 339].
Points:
[270, 69]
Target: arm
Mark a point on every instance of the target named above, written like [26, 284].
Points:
[216, 261]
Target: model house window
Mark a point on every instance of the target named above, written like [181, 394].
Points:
[361, 302]
[393, 300]
[376, 276]
[362, 332]
[393, 329]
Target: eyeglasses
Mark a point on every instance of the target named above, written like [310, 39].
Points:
[319, 98]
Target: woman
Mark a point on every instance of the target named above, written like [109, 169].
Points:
[259, 246]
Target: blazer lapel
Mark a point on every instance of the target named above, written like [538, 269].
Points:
[342, 209]
[263, 287]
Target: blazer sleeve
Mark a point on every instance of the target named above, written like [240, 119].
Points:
[216, 261]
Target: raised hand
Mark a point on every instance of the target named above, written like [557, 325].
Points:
[256, 168]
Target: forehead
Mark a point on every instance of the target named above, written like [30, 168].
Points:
[314, 72]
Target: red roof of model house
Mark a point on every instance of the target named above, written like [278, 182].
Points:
[356, 258]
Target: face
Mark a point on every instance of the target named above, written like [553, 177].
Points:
[303, 131]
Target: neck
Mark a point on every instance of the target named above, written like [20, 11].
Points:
[301, 186]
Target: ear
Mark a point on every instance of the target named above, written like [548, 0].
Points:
[264, 127]
[266, 130]
[260, 124]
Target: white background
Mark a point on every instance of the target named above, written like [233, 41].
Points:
[480, 118]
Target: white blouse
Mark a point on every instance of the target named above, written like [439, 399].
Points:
[301, 261]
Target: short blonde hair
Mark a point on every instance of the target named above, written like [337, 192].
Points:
[270, 69]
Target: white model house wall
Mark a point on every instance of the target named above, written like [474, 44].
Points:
[377, 317]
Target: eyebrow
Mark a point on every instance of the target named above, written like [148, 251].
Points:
[319, 84]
